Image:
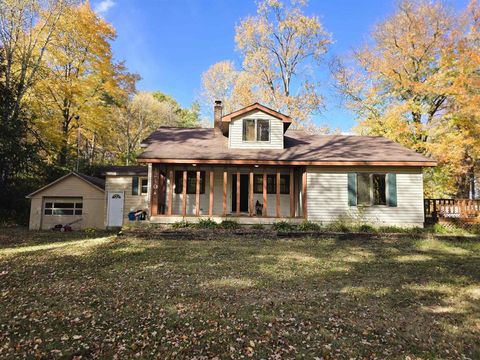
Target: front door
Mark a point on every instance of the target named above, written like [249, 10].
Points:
[243, 192]
[115, 208]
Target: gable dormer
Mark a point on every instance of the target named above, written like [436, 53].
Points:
[255, 127]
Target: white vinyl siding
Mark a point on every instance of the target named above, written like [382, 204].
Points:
[132, 202]
[236, 133]
[328, 197]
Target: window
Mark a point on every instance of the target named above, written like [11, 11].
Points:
[63, 207]
[379, 189]
[363, 189]
[271, 184]
[191, 182]
[256, 130]
[284, 184]
[143, 186]
[139, 185]
[248, 130]
[371, 189]
[258, 184]
[263, 130]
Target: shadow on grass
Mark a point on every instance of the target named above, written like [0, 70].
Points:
[327, 297]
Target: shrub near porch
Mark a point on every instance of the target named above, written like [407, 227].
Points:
[97, 296]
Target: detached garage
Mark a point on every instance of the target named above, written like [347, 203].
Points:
[75, 199]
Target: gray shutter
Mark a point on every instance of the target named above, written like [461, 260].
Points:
[392, 189]
[352, 189]
[135, 185]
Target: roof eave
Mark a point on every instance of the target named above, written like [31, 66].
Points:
[29, 196]
[427, 163]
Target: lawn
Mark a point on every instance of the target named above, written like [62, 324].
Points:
[99, 295]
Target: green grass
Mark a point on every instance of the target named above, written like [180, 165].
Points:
[97, 296]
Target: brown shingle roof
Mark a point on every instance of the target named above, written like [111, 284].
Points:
[124, 170]
[100, 183]
[94, 181]
[203, 144]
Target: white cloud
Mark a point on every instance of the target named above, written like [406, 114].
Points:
[103, 6]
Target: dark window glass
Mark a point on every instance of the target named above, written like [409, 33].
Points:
[248, 130]
[178, 182]
[62, 212]
[64, 205]
[63, 208]
[271, 184]
[144, 186]
[258, 184]
[191, 182]
[263, 130]
[379, 187]
[284, 184]
[363, 189]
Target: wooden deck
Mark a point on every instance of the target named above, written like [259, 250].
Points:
[463, 209]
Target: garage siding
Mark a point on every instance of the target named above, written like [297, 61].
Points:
[328, 197]
[71, 186]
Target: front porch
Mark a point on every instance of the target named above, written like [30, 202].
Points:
[249, 194]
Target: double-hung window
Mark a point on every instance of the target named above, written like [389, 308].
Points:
[367, 189]
[256, 130]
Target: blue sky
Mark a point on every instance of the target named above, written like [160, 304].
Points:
[170, 43]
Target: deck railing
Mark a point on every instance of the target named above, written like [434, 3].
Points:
[452, 208]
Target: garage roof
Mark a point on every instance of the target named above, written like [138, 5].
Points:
[91, 180]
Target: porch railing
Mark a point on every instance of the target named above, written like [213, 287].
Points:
[452, 208]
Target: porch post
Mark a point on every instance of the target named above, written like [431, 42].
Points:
[225, 181]
[304, 193]
[184, 194]
[170, 192]
[210, 203]
[265, 212]
[197, 195]
[237, 205]
[250, 194]
[154, 190]
[292, 194]
[278, 194]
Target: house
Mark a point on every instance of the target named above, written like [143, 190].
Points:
[253, 168]
[81, 201]
[75, 199]
[250, 167]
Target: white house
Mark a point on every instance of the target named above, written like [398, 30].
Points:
[252, 168]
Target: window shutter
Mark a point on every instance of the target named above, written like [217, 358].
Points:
[352, 189]
[392, 189]
[135, 185]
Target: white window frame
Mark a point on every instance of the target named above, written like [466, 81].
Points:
[140, 190]
[256, 134]
[77, 211]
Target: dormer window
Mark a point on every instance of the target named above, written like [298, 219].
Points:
[256, 130]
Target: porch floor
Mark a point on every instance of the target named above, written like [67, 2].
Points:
[241, 219]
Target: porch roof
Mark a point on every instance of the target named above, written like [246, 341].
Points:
[200, 145]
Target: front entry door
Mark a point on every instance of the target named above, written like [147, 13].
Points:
[115, 208]
[243, 192]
